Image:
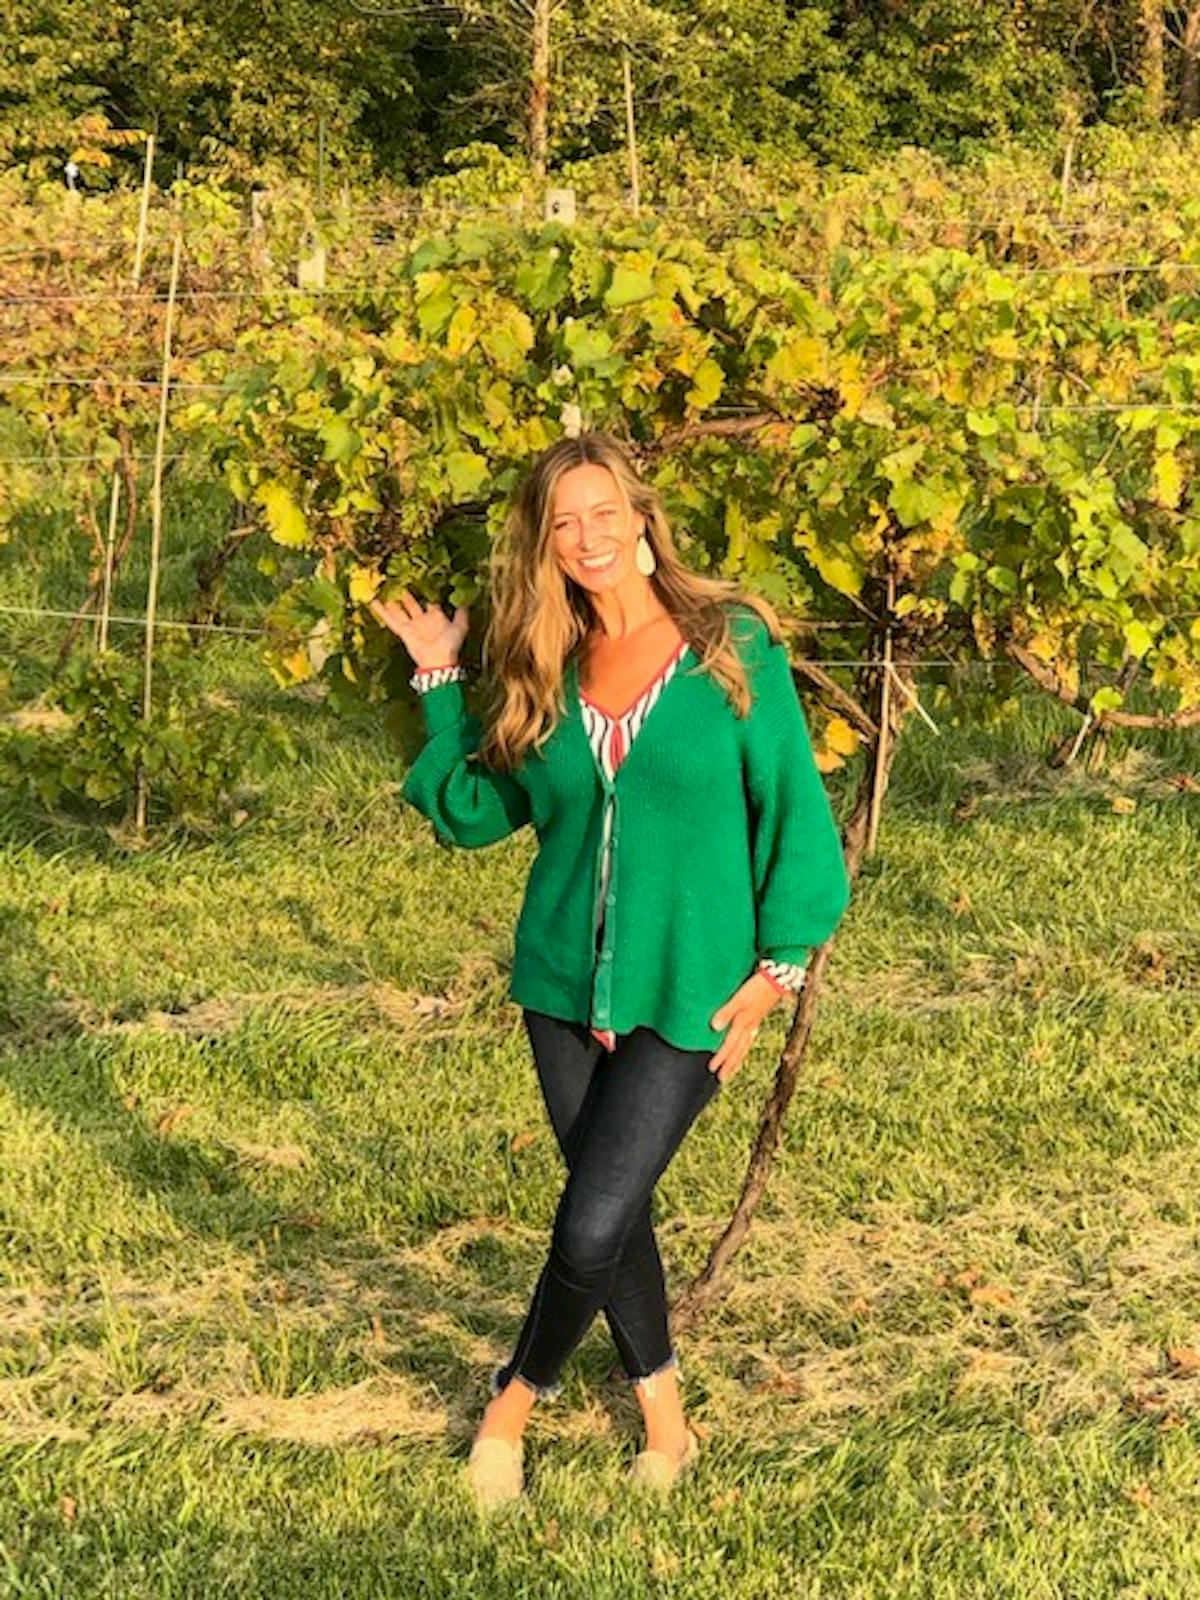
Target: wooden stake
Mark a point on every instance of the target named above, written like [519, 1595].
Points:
[539, 91]
[139, 256]
[1079, 738]
[704, 1288]
[144, 214]
[110, 544]
[1064, 187]
[156, 520]
[631, 135]
[881, 743]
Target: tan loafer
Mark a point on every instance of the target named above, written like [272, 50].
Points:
[654, 1469]
[495, 1472]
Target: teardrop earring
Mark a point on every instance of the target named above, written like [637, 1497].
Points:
[643, 558]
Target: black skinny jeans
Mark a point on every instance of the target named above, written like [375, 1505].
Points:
[619, 1118]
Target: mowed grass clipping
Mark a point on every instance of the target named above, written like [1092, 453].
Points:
[277, 1182]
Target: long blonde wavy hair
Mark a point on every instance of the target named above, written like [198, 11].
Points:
[540, 616]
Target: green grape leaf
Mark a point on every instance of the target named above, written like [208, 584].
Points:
[628, 286]
[467, 472]
[341, 441]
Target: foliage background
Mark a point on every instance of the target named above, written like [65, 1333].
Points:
[390, 89]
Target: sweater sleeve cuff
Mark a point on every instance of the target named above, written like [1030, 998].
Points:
[443, 704]
[787, 976]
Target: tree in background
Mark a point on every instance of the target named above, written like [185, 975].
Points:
[391, 86]
[235, 86]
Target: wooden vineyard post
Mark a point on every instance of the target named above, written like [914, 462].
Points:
[631, 135]
[143, 212]
[882, 753]
[706, 1286]
[114, 499]
[156, 522]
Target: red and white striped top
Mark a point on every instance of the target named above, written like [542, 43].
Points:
[611, 738]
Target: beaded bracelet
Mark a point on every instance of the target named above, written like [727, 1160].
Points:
[431, 677]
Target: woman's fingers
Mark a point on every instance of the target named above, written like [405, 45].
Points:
[732, 1064]
[733, 1049]
[388, 616]
[424, 630]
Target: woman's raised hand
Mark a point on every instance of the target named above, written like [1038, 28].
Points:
[431, 638]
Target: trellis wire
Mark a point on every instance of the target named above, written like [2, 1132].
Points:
[154, 297]
[52, 380]
[56, 460]
[858, 663]
[1040, 407]
[1106, 221]
[44, 611]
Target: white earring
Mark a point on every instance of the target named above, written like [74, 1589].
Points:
[644, 556]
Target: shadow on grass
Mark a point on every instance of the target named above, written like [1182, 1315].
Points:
[50, 1064]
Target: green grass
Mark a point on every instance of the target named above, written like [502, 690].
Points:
[276, 1182]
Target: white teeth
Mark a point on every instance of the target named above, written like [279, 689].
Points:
[595, 566]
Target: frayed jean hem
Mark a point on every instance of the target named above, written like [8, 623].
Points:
[646, 1382]
[497, 1383]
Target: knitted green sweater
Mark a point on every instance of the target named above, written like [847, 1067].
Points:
[724, 847]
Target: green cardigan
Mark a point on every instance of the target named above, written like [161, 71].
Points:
[724, 847]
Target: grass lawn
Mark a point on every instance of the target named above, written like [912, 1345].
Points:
[276, 1181]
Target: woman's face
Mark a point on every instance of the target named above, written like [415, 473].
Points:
[593, 530]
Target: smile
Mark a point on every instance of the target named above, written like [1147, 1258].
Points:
[598, 563]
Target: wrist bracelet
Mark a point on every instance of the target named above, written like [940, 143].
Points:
[431, 677]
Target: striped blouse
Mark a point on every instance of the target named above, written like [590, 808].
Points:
[611, 738]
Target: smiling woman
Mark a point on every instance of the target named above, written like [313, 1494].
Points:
[647, 727]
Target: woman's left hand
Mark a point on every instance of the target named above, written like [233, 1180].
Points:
[743, 1011]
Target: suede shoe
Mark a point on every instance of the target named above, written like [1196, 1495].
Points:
[655, 1470]
[495, 1472]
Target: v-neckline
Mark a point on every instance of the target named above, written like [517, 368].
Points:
[678, 649]
[575, 708]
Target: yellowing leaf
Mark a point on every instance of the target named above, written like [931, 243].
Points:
[629, 284]
[507, 336]
[341, 441]
[467, 472]
[840, 736]
[364, 584]
[707, 384]
[876, 412]
[1005, 346]
[297, 666]
[799, 359]
[285, 519]
[837, 572]
[1138, 637]
[460, 335]
[853, 393]
[399, 346]
[1044, 646]
[1168, 480]
[827, 760]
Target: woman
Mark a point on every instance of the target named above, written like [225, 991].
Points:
[645, 723]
